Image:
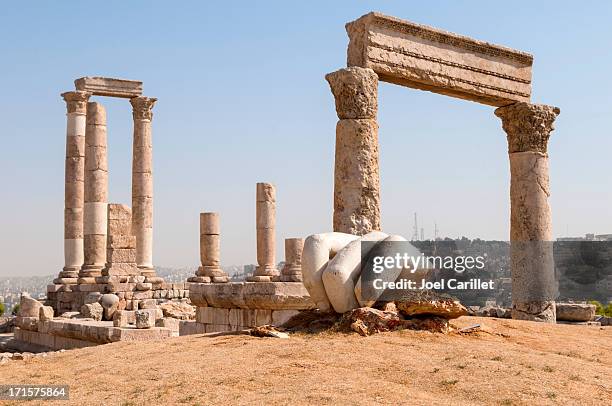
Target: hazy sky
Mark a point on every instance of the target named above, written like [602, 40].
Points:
[242, 99]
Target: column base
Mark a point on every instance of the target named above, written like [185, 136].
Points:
[89, 273]
[291, 273]
[216, 274]
[263, 278]
[541, 311]
[69, 272]
[199, 279]
[65, 281]
[292, 278]
[266, 270]
[147, 271]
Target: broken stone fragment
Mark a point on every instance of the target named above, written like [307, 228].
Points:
[144, 318]
[178, 310]
[430, 304]
[45, 313]
[575, 312]
[92, 311]
[28, 307]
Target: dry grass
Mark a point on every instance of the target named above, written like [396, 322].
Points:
[510, 363]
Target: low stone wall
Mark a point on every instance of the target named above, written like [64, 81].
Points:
[77, 333]
[70, 298]
[224, 307]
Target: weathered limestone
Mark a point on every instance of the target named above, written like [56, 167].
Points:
[210, 251]
[121, 246]
[356, 173]
[100, 86]
[266, 239]
[142, 184]
[246, 295]
[292, 271]
[528, 127]
[96, 194]
[575, 312]
[426, 58]
[76, 104]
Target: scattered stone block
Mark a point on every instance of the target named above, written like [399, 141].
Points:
[45, 313]
[575, 312]
[178, 310]
[28, 307]
[148, 304]
[92, 310]
[27, 323]
[144, 319]
[123, 318]
[430, 304]
[144, 286]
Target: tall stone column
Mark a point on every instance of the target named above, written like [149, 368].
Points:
[356, 173]
[76, 104]
[210, 251]
[96, 194]
[142, 184]
[266, 239]
[528, 127]
[292, 271]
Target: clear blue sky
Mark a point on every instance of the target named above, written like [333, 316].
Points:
[242, 98]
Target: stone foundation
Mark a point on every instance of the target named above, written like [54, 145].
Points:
[78, 333]
[243, 305]
[70, 298]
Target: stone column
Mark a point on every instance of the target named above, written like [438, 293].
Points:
[142, 184]
[292, 271]
[266, 221]
[210, 251]
[96, 194]
[76, 104]
[528, 127]
[356, 174]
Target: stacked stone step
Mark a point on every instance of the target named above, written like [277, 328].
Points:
[292, 271]
[210, 253]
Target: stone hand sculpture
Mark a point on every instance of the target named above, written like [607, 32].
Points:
[332, 265]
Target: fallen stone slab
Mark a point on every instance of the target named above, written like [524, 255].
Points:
[575, 312]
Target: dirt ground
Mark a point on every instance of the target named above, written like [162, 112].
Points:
[509, 363]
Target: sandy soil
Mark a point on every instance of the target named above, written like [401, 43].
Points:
[509, 363]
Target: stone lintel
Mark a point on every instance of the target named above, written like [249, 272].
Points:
[100, 86]
[426, 58]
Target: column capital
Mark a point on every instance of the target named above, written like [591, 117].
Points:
[76, 101]
[356, 92]
[141, 107]
[527, 126]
